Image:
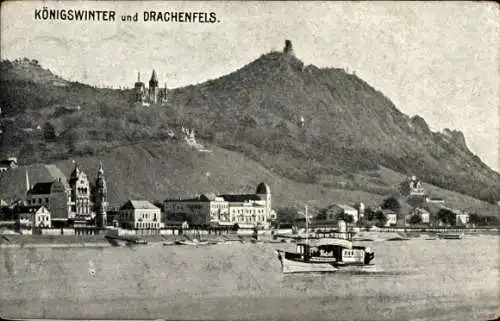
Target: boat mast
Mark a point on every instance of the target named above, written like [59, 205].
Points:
[307, 227]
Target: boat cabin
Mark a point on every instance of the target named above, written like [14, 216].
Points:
[330, 250]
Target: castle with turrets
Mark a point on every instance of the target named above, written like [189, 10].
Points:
[152, 95]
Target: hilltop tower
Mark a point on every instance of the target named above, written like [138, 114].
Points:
[101, 198]
[288, 50]
[140, 89]
[80, 193]
[153, 88]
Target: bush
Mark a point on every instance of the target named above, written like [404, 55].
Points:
[446, 217]
[380, 219]
[286, 215]
[392, 204]
[49, 131]
[415, 219]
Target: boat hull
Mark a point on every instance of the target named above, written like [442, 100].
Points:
[293, 266]
[450, 236]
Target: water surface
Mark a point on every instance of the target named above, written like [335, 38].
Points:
[416, 279]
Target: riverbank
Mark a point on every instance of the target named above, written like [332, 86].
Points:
[9, 238]
[86, 241]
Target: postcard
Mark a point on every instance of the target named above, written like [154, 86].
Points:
[249, 160]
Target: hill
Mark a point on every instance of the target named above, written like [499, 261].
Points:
[159, 170]
[350, 130]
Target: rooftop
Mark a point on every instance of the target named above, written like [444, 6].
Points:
[138, 204]
[42, 188]
[240, 198]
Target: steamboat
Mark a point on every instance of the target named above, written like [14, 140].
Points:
[325, 254]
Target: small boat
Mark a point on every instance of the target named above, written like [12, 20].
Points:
[191, 242]
[450, 236]
[125, 240]
[324, 255]
[398, 238]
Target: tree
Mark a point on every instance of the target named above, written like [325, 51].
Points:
[6, 213]
[392, 204]
[446, 216]
[322, 214]
[483, 220]
[381, 218]
[369, 214]
[404, 188]
[286, 215]
[345, 217]
[49, 131]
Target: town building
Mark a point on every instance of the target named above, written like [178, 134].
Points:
[361, 209]
[70, 199]
[331, 214]
[80, 194]
[424, 215]
[196, 211]
[434, 200]
[140, 215]
[246, 210]
[392, 217]
[55, 196]
[461, 219]
[416, 187]
[33, 216]
[8, 164]
[152, 95]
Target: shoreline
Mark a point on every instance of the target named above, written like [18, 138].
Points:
[99, 241]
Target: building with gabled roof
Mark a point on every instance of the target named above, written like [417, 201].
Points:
[69, 199]
[140, 215]
[55, 196]
[33, 216]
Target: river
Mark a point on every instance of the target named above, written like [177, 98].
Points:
[414, 280]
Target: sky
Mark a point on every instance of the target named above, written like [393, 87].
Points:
[439, 60]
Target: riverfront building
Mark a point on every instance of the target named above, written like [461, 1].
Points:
[72, 199]
[140, 215]
[33, 216]
[246, 210]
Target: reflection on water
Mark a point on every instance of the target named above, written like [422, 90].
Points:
[439, 280]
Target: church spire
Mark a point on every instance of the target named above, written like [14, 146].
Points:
[138, 76]
[101, 198]
[153, 82]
